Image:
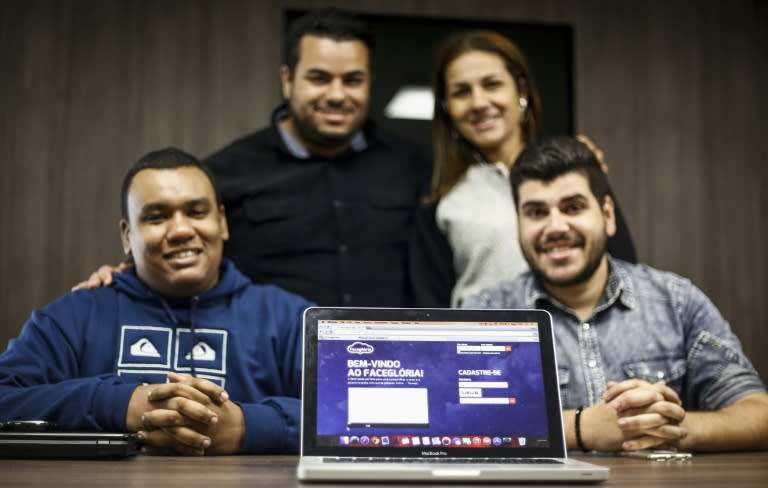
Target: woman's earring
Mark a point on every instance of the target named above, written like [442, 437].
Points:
[523, 111]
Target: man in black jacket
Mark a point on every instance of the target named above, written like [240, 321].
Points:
[318, 203]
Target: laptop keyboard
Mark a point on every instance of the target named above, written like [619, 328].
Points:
[441, 460]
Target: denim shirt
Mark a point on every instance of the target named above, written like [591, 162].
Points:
[650, 325]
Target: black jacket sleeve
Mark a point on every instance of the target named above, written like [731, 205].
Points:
[621, 245]
[431, 261]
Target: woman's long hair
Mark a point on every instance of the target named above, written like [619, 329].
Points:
[452, 152]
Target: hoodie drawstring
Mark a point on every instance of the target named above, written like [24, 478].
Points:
[192, 307]
[165, 306]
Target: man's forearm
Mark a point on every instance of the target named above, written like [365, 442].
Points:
[741, 425]
[569, 417]
[598, 428]
[640, 417]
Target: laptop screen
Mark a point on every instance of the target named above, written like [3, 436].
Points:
[469, 383]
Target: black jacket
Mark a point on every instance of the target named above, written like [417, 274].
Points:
[332, 230]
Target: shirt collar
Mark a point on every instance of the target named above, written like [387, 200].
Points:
[619, 286]
[617, 289]
[297, 150]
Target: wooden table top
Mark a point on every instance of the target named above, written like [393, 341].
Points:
[730, 469]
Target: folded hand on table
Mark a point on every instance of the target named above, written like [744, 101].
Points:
[186, 416]
[634, 414]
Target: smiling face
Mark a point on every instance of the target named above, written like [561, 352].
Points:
[328, 93]
[175, 231]
[563, 229]
[484, 104]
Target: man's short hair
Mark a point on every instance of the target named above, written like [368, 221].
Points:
[329, 23]
[552, 157]
[168, 158]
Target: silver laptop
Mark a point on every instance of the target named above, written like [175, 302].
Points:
[433, 395]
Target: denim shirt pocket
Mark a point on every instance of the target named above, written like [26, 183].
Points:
[670, 369]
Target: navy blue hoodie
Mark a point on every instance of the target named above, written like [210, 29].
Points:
[78, 360]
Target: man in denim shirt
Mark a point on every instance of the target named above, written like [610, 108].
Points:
[645, 359]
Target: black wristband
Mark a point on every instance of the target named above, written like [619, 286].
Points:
[577, 429]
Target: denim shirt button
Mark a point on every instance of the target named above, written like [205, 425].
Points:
[592, 363]
[660, 374]
[585, 326]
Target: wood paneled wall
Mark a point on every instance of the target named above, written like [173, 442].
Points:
[671, 90]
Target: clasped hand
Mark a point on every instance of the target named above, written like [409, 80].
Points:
[634, 414]
[189, 416]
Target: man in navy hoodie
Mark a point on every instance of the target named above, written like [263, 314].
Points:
[183, 349]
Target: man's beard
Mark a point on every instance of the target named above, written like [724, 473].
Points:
[308, 132]
[593, 262]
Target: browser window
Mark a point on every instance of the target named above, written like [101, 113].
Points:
[420, 383]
